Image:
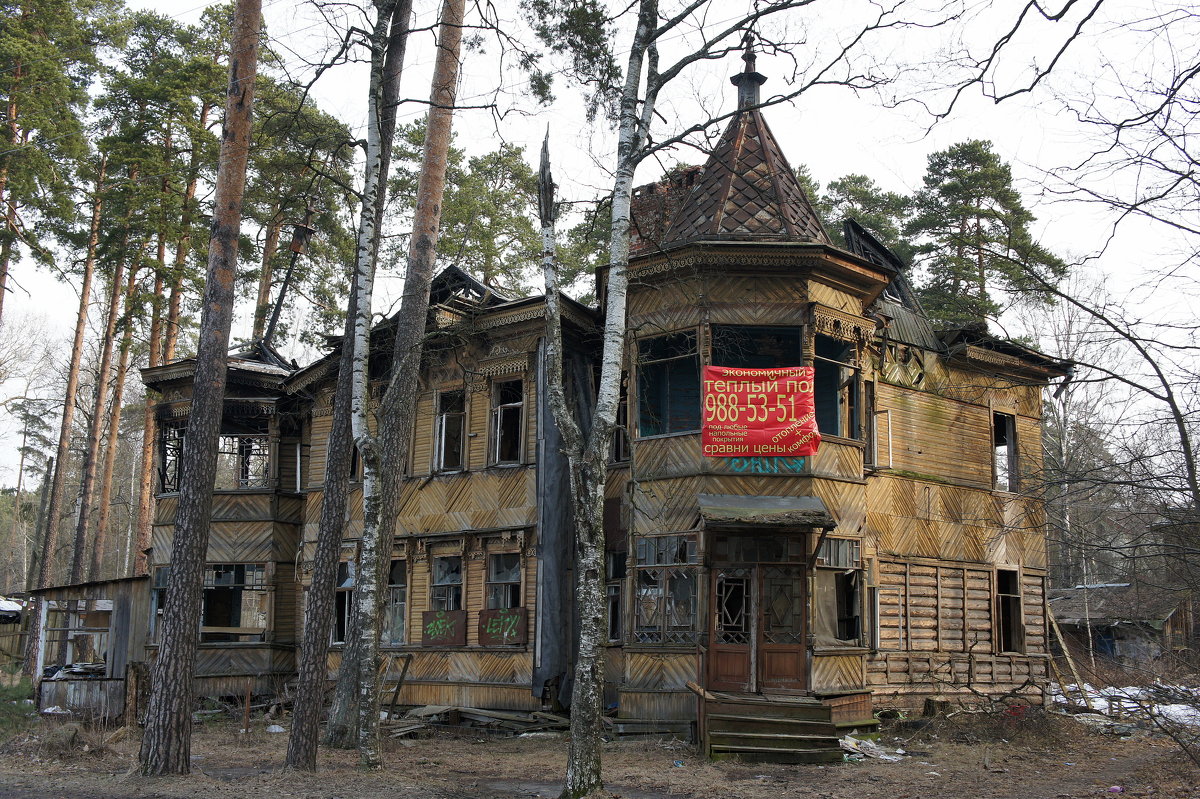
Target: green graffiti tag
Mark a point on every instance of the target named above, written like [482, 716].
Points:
[504, 625]
[440, 626]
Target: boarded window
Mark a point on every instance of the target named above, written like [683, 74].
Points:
[450, 434]
[668, 384]
[1004, 452]
[504, 580]
[508, 398]
[1010, 625]
[446, 590]
[236, 603]
[836, 387]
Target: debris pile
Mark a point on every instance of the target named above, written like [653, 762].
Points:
[399, 725]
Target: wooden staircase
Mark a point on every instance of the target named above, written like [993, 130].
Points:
[765, 729]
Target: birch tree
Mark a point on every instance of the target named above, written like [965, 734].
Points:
[388, 41]
[166, 744]
[632, 95]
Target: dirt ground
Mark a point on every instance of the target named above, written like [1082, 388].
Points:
[1031, 758]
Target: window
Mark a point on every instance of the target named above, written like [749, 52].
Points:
[446, 592]
[839, 602]
[507, 400]
[835, 387]
[621, 452]
[504, 580]
[668, 384]
[665, 604]
[242, 462]
[1010, 626]
[1004, 452]
[158, 597]
[170, 452]
[397, 601]
[343, 604]
[612, 591]
[235, 602]
[451, 431]
[756, 347]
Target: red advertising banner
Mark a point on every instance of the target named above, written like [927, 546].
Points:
[755, 412]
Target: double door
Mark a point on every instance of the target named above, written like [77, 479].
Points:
[757, 631]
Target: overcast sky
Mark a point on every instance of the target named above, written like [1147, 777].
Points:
[830, 130]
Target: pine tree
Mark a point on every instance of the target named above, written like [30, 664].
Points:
[974, 238]
[858, 197]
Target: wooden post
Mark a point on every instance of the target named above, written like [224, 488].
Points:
[246, 707]
[1087, 701]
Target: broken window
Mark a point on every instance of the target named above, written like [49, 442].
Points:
[612, 590]
[507, 402]
[343, 602]
[836, 387]
[446, 590]
[837, 582]
[504, 580]
[451, 431]
[621, 451]
[1010, 625]
[665, 605]
[668, 384]
[170, 452]
[242, 462]
[397, 600]
[158, 598]
[1004, 452]
[235, 602]
[756, 347]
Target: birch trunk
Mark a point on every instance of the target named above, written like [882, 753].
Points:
[347, 713]
[166, 744]
[58, 484]
[588, 456]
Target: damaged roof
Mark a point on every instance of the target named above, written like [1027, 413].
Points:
[1116, 603]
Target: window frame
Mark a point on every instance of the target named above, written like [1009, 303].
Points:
[663, 366]
[343, 601]
[510, 587]
[394, 629]
[663, 564]
[847, 393]
[1004, 452]
[842, 558]
[445, 595]
[500, 412]
[259, 584]
[441, 419]
[1010, 612]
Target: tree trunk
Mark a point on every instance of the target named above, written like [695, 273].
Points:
[114, 432]
[183, 248]
[166, 744]
[319, 604]
[145, 507]
[344, 727]
[47, 479]
[58, 485]
[96, 431]
[262, 305]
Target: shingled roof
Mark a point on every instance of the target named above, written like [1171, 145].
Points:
[747, 192]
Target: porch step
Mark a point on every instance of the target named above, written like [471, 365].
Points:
[651, 727]
[792, 710]
[744, 723]
[762, 740]
[754, 754]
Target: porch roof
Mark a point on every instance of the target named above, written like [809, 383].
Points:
[741, 510]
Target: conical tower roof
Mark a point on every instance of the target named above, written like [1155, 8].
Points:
[747, 191]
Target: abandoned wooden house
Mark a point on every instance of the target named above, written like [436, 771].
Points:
[904, 558]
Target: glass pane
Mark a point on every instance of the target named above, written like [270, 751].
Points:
[447, 571]
[783, 616]
[756, 347]
[733, 606]
[397, 574]
[504, 567]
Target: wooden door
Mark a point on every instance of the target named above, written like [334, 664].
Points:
[780, 649]
[732, 638]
